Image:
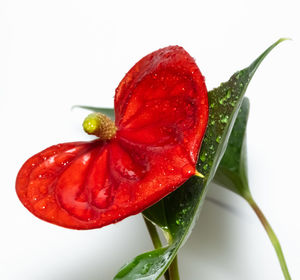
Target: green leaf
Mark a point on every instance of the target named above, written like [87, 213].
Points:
[182, 207]
[232, 170]
[157, 215]
[106, 111]
[232, 174]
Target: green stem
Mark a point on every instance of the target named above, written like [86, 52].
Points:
[153, 234]
[172, 273]
[272, 237]
[173, 270]
[155, 240]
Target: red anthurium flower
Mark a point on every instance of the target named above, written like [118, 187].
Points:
[161, 112]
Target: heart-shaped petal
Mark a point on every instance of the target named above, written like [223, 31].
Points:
[161, 115]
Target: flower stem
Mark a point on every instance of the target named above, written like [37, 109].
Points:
[155, 240]
[272, 236]
[173, 270]
[153, 234]
[172, 273]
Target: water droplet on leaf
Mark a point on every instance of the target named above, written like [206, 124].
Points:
[203, 157]
[224, 119]
[228, 94]
[145, 268]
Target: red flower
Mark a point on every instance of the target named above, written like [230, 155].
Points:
[161, 112]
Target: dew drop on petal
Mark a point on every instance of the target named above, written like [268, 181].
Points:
[188, 170]
[41, 204]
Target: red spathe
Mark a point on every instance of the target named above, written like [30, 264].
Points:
[161, 112]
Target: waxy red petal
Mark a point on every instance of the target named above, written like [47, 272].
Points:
[161, 114]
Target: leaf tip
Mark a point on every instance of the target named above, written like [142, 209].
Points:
[74, 107]
[284, 39]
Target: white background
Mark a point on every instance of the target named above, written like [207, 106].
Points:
[54, 54]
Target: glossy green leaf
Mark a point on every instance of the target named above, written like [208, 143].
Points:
[106, 111]
[182, 207]
[232, 174]
[232, 170]
[157, 215]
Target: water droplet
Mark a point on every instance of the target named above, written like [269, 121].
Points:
[203, 157]
[228, 94]
[218, 139]
[179, 222]
[224, 119]
[145, 268]
[212, 122]
[184, 211]
[188, 170]
[41, 204]
[223, 99]
[232, 103]
[205, 166]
